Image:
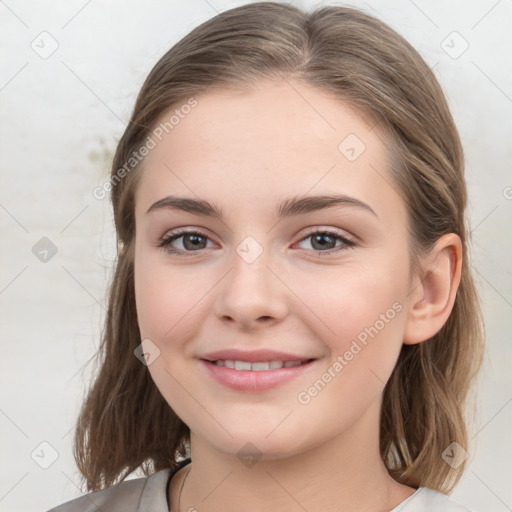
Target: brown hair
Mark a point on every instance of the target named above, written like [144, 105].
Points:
[125, 423]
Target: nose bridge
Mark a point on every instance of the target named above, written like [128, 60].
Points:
[251, 275]
[251, 290]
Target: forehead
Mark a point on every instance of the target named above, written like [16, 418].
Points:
[256, 146]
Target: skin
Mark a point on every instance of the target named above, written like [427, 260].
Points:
[246, 152]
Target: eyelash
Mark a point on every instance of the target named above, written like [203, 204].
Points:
[165, 242]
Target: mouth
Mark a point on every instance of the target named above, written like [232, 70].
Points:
[257, 366]
[256, 376]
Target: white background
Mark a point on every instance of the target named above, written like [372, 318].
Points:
[60, 120]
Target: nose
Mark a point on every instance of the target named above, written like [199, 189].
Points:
[252, 294]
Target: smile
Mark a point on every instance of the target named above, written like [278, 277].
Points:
[259, 366]
[258, 375]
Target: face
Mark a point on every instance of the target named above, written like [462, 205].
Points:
[324, 284]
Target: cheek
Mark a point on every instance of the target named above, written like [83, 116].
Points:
[365, 317]
[353, 299]
[153, 299]
[168, 310]
[168, 300]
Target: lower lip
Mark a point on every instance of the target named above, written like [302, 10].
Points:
[248, 380]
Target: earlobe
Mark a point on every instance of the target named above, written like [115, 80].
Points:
[432, 298]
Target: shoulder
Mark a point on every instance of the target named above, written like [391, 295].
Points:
[128, 496]
[429, 500]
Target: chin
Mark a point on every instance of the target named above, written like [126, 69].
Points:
[254, 445]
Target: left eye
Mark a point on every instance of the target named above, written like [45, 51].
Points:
[193, 241]
[320, 240]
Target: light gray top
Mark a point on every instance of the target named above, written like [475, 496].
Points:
[149, 494]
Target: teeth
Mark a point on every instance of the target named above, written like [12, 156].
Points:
[257, 367]
[242, 365]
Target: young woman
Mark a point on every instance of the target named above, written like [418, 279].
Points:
[292, 322]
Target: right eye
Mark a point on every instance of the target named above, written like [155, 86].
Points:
[192, 239]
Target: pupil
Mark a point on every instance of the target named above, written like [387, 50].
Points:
[196, 239]
[319, 237]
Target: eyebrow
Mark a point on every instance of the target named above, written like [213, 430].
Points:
[289, 207]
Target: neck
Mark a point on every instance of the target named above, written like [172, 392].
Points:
[344, 472]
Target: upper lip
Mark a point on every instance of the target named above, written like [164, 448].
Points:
[253, 356]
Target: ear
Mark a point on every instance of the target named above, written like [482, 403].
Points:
[433, 293]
